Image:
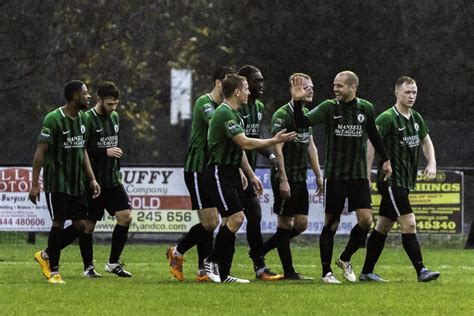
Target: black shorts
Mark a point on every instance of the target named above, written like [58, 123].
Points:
[225, 185]
[112, 199]
[337, 191]
[394, 201]
[63, 206]
[199, 193]
[297, 204]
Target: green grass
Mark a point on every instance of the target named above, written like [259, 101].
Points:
[153, 291]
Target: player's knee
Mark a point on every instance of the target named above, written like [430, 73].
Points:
[79, 225]
[408, 227]
[238, 218]
[90, 228]
[332, 223]
[124, 218]
[383, 228]
[365, 222]
[235, 221]
[210, 223]
[300, 225]
[58, 224]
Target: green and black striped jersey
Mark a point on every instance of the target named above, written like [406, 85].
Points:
[103, 133]
[196, 158]
[402, 138]
[295, 153]
[63, 164]
[225, 124]
[346, 137]
[252, 117]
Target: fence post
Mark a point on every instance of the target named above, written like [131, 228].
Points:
[31, 238]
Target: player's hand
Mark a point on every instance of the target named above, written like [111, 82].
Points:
[387, 169]
[34, 194]
[257, 185]
[282, 136]
[297, 88]
[114, 152]
[275, 166]
[430, 171]
[320, 184]
[244, 180]
[285, 191]
[95, 188]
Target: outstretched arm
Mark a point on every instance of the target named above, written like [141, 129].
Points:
[247, 143]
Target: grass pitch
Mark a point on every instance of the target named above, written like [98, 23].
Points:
[153, 291]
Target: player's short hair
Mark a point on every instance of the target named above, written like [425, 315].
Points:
[298, 74]
[247, 70]
[230, 83]
[72, 87]
[351, 77]
[108, 89]
[221, 72]
[404, 79]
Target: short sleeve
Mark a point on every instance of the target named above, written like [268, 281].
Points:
[232, 124]
[207, 111]
[423, 129]
[278, 122]
[383, 124]
[47, 131]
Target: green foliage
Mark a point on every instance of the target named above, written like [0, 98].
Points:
[43, 44]
[152, 290]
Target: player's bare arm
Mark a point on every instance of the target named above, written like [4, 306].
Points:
[285, 190]
[95, 187]
[247, 143]
[34, 194]
[314, 162]
[252, 178]
[429, 153]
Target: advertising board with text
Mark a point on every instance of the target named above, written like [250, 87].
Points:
[160, 203]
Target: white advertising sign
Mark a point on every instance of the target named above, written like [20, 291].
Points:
[159, 198]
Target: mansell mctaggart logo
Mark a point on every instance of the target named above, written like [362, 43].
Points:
[15, 180]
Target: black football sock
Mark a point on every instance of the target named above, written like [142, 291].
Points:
[69, 235]
[375, 246]
[412, 248]
[87, 249]
[204, 248]
[358, 235]
[224, 239]
[119, 238]
[326, 245]
[270, 244]
[284, 251]
[226, 263]
[193, 237]
[55, 241]
[255, 240]
[294, 233]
